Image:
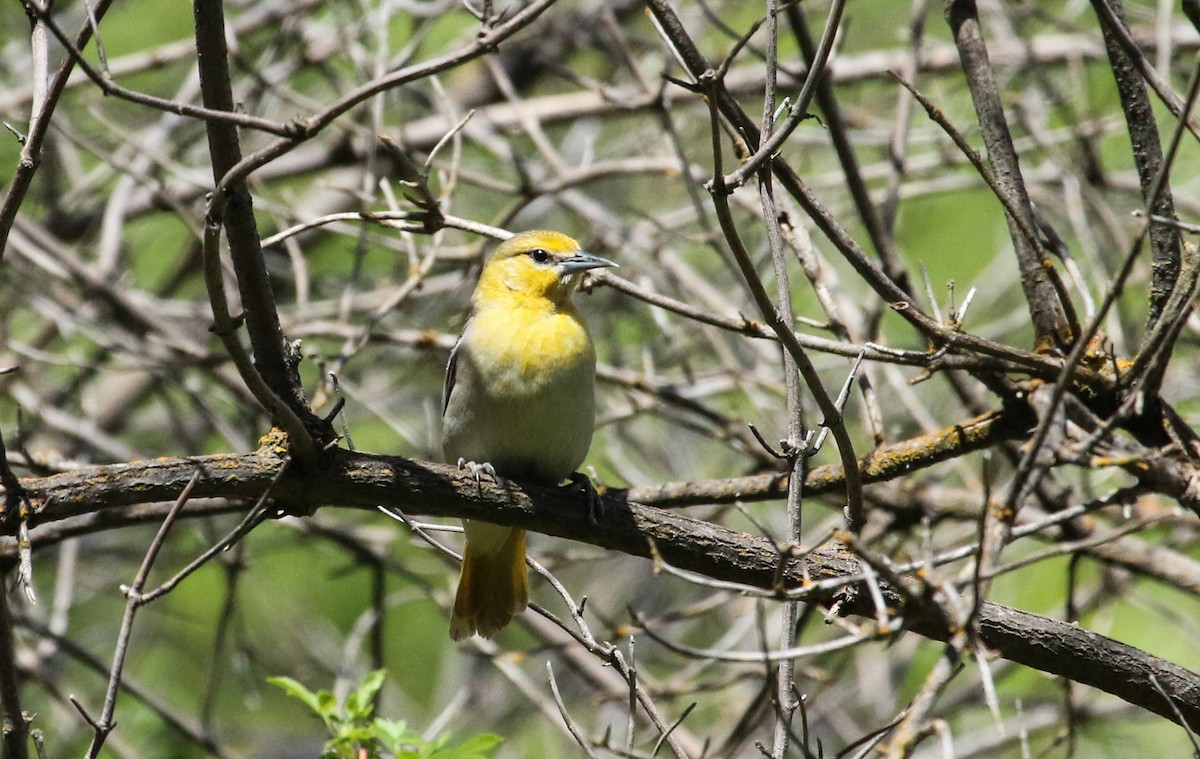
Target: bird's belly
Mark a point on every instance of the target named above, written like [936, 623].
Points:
[544, 438]
[528, 406]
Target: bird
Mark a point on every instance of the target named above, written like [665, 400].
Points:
[518, 402]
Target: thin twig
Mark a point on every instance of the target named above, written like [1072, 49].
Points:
[43, 104]
[832, 418]
[798, 110]
[16, 722]
[105, 724]
[562, 709]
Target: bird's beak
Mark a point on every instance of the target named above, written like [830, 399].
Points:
[582, 262]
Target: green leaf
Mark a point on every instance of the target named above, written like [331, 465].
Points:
[359, 706]
[352, 728]
[477, 747]
[327, 707]
[297, 690]
[370, 686]
[394, 735]
[348, 733]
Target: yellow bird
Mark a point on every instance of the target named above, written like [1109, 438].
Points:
[519, 402]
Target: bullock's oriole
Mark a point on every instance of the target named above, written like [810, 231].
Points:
[519, 402]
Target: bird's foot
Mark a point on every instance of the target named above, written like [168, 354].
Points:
[595, 501]
[477, 470]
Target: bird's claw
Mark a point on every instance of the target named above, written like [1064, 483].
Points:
[477, 470]
[595, 510]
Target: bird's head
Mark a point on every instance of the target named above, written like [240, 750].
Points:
[538, 264]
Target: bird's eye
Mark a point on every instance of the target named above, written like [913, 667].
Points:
[539, 255]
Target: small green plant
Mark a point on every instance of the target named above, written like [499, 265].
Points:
[359, 734]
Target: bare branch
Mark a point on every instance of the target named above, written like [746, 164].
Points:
[1052, 315]
[361, 481]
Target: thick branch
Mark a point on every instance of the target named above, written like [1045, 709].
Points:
[1148, 156]
[273, 359]
[362, 481]
[1051, 320]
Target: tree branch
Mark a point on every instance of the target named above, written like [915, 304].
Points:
[1147, 155]
[1049, 310]
[233, 208]
[884, 463]
[830, 573]
[43, 102]
[16, 724]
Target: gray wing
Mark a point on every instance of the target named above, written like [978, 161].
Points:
[452, 370]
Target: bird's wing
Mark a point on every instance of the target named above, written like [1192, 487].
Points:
[452, 371]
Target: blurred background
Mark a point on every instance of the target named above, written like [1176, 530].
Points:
[578, 122]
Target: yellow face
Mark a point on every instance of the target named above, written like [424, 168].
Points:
[538, 264]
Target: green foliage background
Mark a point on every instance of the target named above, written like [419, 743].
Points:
[296, 600]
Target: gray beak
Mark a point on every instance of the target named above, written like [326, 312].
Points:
[582, 262]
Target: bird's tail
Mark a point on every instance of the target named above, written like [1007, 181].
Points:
[493, 586]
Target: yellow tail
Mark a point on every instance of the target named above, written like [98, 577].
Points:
[493, 586]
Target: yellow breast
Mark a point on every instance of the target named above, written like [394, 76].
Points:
[523, 397]
[522, 351]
